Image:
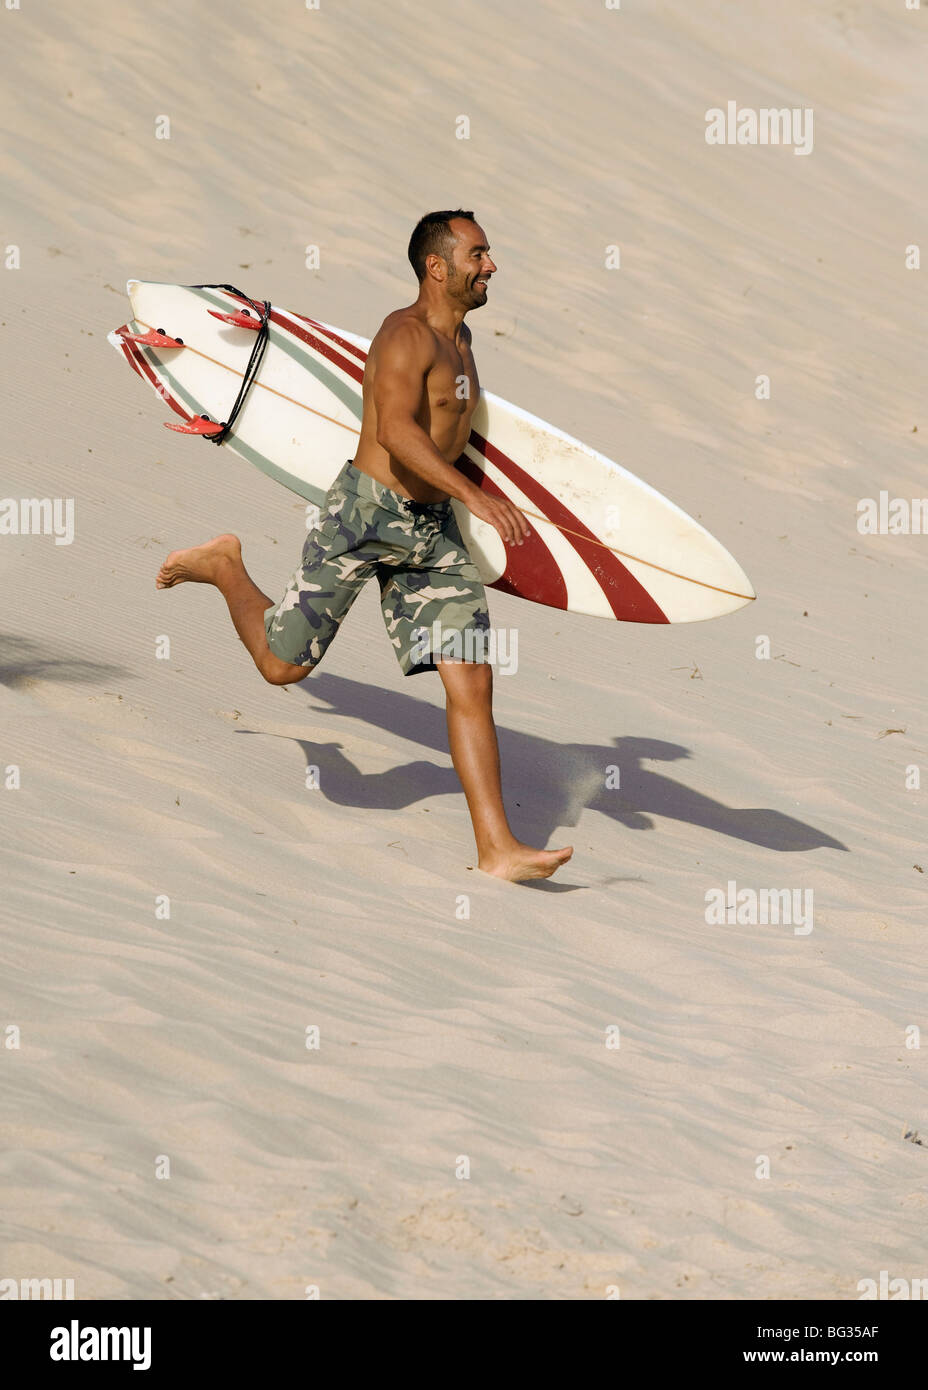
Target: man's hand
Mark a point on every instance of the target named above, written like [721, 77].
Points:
[500, 513]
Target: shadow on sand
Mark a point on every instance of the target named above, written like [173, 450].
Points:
[546, 784]
[22, 659]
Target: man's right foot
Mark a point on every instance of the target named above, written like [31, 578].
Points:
[520, 862]
[200, 563]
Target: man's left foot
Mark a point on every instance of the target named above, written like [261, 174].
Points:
[520, 862]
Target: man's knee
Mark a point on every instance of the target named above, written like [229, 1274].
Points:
[467, 682]
[278, 672]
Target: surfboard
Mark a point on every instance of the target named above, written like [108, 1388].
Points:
[603, 542]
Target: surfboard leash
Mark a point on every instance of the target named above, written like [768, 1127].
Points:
[257, 352]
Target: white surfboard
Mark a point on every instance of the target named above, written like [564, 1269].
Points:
[603, 542]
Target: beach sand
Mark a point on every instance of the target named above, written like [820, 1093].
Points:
[464, 1024]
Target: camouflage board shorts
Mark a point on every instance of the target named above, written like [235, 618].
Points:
[433, 601]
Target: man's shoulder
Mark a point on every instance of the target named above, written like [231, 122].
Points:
[406, 333]
[406, 323]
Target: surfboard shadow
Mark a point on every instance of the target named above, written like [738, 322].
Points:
[546, 784]
[643, 792]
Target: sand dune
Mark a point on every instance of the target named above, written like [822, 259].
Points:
[342, 908]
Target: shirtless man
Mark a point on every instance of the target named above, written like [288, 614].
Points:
[388, 516]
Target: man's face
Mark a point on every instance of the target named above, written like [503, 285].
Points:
[471, 266]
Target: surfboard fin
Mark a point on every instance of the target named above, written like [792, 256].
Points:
[242, 319]
[155, 337]
[200, 424]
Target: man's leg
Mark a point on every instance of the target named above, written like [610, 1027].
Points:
[219, 562]
[475, 754]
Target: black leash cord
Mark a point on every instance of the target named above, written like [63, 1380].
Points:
[254, 362]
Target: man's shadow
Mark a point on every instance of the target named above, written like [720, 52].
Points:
[547, 784]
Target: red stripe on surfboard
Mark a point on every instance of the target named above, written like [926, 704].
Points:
[323, 348]
[125, 348]
[141, 365]
[531, 563]
[359, 353]
[128, 356]
[628, 599]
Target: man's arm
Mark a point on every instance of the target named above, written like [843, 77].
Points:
[405, 353]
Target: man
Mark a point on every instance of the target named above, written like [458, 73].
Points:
[388, 515]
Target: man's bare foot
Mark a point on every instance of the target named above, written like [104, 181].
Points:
[520, 862]
[200, 563]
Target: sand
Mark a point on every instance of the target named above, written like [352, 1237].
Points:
[464, 1023]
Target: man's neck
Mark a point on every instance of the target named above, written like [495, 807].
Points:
[442, 315]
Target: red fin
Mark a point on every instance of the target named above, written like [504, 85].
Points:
[155, 337]
[198, 425]
[240, 320]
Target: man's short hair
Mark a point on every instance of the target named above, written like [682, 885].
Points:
[434, 237]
